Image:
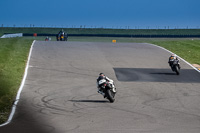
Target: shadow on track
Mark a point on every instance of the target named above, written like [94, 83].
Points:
[164, 73]
[156, 75]
[90, 101]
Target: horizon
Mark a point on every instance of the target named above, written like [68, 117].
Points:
[101, 27]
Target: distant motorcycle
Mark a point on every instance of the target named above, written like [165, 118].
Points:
[47, 39]
[174, 64]
[62, 36]
[107, 89]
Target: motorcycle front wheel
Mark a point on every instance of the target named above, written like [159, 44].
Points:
[177, 70]
[110, 95]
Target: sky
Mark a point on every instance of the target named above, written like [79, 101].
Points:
[101, 13]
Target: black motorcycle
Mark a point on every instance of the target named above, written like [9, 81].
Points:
[107, 89]
[62, 36]
[175, 65]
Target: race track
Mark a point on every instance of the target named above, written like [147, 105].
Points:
[60, 94]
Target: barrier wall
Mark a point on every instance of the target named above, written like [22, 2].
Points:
[105, 35]
[12, 35]
[121, 35]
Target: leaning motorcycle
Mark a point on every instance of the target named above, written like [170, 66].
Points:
[174, 65]
[107, 89]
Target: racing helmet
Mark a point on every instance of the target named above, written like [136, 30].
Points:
[102, 75]
[173, 56]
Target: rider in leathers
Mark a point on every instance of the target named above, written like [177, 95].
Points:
[174, 56]
[101, 75]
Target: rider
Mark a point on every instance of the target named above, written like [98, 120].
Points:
[47, 38]
[62, 31]
[102, 76]
[175, 57]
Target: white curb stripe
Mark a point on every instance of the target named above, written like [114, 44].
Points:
[12, 35]
[177, 55]
[20, 89]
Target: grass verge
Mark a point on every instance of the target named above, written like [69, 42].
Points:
[100, 31]
[13, 53]
[186, 49]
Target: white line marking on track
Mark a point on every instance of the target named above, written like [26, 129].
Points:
[177, 55]
[20, 89]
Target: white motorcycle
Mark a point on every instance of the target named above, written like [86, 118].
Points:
[107, 88]
[174, 64]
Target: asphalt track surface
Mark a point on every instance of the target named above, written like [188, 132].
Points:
[60, 94]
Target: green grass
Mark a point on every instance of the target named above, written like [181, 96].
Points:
[13, 53]
[187, 49]
[101, 31]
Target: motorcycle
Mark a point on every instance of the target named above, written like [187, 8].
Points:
[62, 37]
[47, 39]
[174, 65]
[107, 89]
